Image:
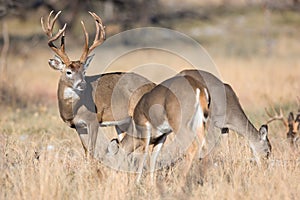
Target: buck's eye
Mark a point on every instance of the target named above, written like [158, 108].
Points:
[68, 73]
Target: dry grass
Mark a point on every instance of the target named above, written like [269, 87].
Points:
[263, 82]
[47, 162]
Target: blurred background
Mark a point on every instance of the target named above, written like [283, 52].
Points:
[254, 43]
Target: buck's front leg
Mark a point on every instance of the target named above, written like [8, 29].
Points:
[82, 130]
[92, 138]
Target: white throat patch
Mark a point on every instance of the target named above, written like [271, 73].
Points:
[69, 93]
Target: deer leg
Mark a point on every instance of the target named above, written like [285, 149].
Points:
[81, 135]
[83, 130]
[198, 145]
[92, 137]
[211, 139]
[155, 152]
[122, 127]
[84, 147]
[120, 133]
[146, 149]
[189, 157]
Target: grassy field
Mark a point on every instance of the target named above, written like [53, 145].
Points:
[59, 170]
[41, 158]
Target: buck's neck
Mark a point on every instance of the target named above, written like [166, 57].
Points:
[68, 100]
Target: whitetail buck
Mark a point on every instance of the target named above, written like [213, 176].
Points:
[178, 105]
[85, 102]
[226, 113]
[291, 123]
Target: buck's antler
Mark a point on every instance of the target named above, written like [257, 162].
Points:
[298, 102]
[99, 37]
[276, 116]
[48, 28]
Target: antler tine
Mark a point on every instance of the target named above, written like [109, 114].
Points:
[297, 118]
[276, 116]
[86, 44]
[298, 98]
[45, 29]
[99, 37]
[269, 114]
[99, 25]
[50, 23]
[61, 32]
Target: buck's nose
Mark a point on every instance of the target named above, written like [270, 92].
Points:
[80, 85]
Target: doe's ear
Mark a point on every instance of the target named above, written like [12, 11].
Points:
[263, 131]
[56, 63]
[88, 61]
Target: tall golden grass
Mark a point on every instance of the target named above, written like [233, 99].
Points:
[45, 160]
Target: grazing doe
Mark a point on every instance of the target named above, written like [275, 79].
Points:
[226, 113]
[179, 105]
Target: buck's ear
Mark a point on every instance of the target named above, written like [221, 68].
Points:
[56, 63]
[298, 118]
[88, 61]
[291, 118]
[263, 131]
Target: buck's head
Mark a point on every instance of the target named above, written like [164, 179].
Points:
[72, 72]
[293, 125]
[261, 146]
